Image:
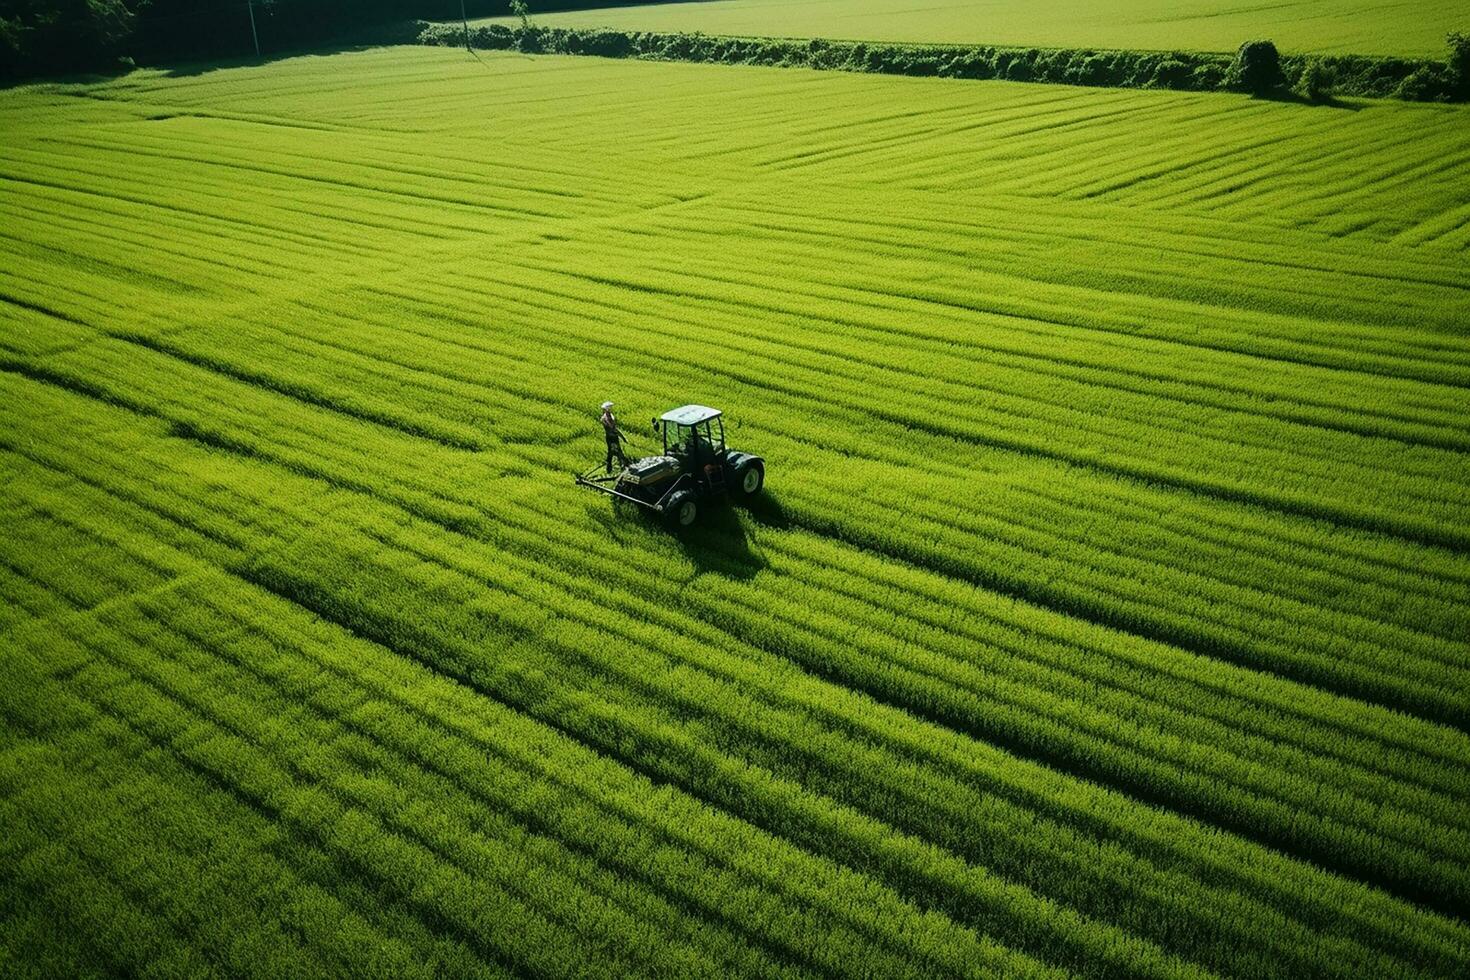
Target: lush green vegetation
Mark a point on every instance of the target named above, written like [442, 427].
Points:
[49, 37]
[1376, 27]
[1256, 67]
[1107, 615]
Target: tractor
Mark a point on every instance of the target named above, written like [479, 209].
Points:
[694, 468]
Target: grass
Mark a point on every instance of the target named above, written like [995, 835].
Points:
[1370, 27]
[1106, 615]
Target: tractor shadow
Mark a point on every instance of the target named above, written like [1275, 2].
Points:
[767, 511]
[720, 544]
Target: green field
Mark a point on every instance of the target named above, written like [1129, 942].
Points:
[1377, 27]
[1106, 614]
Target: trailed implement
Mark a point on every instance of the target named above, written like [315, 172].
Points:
[694, 469]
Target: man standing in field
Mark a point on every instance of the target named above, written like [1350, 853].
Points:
[614, 437]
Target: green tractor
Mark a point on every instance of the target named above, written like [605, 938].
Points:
[694, 469]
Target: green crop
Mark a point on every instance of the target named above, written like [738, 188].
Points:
[1106, 615]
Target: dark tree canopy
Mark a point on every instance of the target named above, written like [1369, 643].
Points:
[1459, 61]
[1258, 67]
[63, 35]
[47, 37]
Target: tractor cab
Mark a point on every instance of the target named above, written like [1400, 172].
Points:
[694, 434]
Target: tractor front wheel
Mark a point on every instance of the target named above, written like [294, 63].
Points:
[682, 509]
[750, 478]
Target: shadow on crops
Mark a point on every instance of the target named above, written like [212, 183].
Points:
[61, 81]
[1289, 97]
[191, 69]
[767, 511]
[229, 47]
[720, 543]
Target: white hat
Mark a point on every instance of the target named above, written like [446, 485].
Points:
[607, 404]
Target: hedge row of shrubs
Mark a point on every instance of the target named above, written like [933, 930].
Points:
[1257, 67]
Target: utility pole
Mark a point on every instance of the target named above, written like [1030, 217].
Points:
[466, 21]
[256, 37]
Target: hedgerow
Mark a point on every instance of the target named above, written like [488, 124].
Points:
[1419, 80]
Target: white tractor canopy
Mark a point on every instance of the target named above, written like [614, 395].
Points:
[691, 431]
[690, 415]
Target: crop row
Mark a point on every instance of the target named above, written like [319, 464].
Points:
[1155, 273]
[469, 321]
[324, 727]
[1046, 421]
[385, 572]
[278, 359]
[1406, 641]
[737, 118]
[340, 473]
[153, 644]
[1105, 614]
[1433, 652]
[416, 349]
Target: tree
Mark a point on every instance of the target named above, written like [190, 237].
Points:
[53, 36]
[1459, 62]
[1257, 68]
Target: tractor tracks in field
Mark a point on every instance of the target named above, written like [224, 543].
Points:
[474, 530]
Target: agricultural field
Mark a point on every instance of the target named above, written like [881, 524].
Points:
[1106, 614]
[1369, 27]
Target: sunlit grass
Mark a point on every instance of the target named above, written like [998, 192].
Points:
[1106, 614]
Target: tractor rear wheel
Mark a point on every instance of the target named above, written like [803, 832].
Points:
[682, 509]
[750, 478]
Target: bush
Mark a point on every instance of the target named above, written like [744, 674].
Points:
[1430, 83]
[1093, 69]
[1171, 73]
[1313, 82]
[1459, 62]
[533, 40]
[973, 64]
[824, 54]
[1374, 78]
[1209, 76]
[1130, 70]
[610, 44]
[494, 37]
[1257, 68]
[55, 36]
